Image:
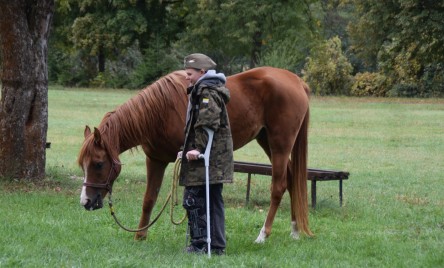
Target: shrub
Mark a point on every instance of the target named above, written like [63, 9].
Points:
[287, 54]
[429, 85]
[119, 71]
[99, 80]
[73, 69]
[432, 81]
[327, 71]
[154, 64]
[369, 84]
[404, 90]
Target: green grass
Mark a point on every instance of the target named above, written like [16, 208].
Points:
[393, 213]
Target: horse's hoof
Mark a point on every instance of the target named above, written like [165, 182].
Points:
[294, 235]
[261, 237]
[259, 240]
[294, 231]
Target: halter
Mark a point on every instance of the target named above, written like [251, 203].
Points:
[106, 185]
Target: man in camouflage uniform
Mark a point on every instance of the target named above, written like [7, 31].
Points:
[206, 108]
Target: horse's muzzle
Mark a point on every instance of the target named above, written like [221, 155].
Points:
[97, 203]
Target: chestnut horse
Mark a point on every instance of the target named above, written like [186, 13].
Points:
[267, 104]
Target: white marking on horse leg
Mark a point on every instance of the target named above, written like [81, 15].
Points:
[83, 197]
[294, 231]
[262, 236]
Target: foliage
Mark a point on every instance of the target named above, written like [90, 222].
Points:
[420, 25]
[404, 90]
[286, 54]
[75, 69]
[369, 84]
[118, 73]
[432, 80]
[237, 33]
[103, 27]
[155, 63]
[407, 38]
[335, 16]
[430, 84]
[411, 78]
[67, 65]
[92, 34]
[373, 20]
[328, 71]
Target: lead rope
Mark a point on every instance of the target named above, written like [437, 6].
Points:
[172, 195]
[174, 198]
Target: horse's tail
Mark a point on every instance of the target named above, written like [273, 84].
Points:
[298, 186]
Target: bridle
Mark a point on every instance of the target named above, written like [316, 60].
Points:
[107, 185]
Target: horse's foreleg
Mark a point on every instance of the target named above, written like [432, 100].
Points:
[155, 172]
[278, 187]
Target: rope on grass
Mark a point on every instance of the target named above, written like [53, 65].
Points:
[174, 202]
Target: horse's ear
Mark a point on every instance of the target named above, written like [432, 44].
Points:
[97, 137]
[87, 131]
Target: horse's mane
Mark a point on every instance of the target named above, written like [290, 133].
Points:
[139, 116]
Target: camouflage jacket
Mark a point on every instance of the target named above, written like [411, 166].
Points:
[206, 108]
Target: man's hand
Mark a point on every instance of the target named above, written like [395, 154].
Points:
[193, 155]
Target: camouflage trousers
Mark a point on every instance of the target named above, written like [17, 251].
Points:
[195, 204]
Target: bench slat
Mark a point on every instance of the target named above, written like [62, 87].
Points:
[313, 174]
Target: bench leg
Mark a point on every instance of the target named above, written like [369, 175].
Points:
[247, 198]
[313, 193]
[340, 193]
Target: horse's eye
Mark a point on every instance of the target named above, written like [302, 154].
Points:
[98, 165]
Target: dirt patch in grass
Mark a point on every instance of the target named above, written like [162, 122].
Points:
[412, 200]
[45, 185]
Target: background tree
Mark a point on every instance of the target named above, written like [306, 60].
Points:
[370, 27]
[407, 43]
[100, 43]
[104, 27]
[296, 30]
[130, 43]
[24, 30]
[238, 33]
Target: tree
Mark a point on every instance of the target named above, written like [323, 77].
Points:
[407, 43]
[236, 34]
[103, 42]
[371, 27]
[103, 27]
[24, 30]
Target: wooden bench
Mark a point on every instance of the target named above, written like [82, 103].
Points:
[314, 175]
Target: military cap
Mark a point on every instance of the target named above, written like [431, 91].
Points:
[199, 61]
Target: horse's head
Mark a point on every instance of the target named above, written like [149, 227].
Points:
[100, 169]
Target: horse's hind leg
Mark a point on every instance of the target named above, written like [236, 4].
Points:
[278, 185]
[155, 172]
[294, 228]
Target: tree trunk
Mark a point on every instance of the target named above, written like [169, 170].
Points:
[24, 29]
[101, 59]
[256, 49]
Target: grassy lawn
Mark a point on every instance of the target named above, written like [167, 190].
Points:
[393, 212]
